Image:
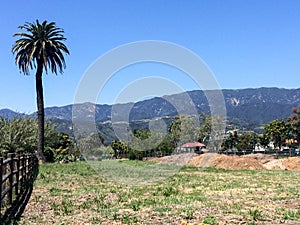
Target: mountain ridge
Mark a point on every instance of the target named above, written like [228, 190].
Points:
[255, 106]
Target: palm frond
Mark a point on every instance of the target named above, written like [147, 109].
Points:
[40, 43]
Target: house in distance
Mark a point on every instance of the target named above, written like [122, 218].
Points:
[195, 146]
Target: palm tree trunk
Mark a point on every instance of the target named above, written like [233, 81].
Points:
[40, 113]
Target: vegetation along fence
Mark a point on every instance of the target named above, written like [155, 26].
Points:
[17, 174]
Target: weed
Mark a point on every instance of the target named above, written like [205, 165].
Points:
[96, 220]
[188, 213]
[163, 209]
[67, 206]
[169, 190]
[210, 220]
[255, 214]
[251, 223]
[63, 208]
[42, 176]
[291, 215]
[126, 218]
[136, 205]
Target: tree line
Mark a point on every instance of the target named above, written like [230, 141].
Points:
[19, 135]
[277, 133]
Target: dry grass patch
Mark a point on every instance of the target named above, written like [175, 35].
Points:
[75, 194]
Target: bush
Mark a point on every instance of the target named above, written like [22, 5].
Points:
[135, 155]
[19, 135]
[49, 155]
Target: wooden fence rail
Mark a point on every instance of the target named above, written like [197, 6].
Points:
[17, 174]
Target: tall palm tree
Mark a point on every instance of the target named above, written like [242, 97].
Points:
[40, 47]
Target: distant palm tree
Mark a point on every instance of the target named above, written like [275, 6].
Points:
[40, 46]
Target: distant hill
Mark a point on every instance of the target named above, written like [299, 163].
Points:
[250, 107]
[9, 114]
[255, 105]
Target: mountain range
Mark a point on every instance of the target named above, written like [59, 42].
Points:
[248, 108]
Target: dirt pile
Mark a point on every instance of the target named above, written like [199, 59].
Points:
[252, 161]
[275, 164]
[180, 159]
[292, 163]
[225, 162]
[263, 158]
[204, 160]
[236, 162]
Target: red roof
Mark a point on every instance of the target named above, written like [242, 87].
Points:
[193, 144]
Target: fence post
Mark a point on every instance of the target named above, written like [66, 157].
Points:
[1, 180]
[26, 167]
[11, 176]
[30, 167]
[17, 175]
[22, 171]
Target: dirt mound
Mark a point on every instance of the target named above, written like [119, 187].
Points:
[204, 160]
[275, 164]
[292, 163]
[225, 162]
[236, 162]
[252, 161]
[263, 158]
[180, 159]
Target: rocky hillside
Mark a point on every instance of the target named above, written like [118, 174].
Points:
[257, 105]
[247, 107]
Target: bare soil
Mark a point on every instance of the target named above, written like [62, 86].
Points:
[251, 162]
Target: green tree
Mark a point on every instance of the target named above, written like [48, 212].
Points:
[120, 148]
[165, 146]
[294, 120]
[246, 141]
[40, 46]
[58, 145]
[231, 141]
[174, 130]
[183, 128]
[205, 128]
[263, 140]
[210, 131]
[142, 134]
[277, 131]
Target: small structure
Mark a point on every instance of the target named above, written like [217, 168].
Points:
[193, 147]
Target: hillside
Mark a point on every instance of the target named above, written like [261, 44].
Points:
[248, 108]
[7, 113]
[257, 105]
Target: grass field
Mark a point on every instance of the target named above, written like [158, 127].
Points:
[75, 194]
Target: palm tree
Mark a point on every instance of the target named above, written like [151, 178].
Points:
[40, 47]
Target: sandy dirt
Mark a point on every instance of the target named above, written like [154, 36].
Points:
[251, 161]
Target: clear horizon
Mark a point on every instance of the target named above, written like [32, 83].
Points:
[248, 44]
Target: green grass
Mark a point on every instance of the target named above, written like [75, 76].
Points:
[76, 194]
[133, 172]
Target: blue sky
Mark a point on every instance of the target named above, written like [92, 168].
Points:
[246, 44]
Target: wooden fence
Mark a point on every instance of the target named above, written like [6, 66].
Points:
[282, 153]
[17, 174]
